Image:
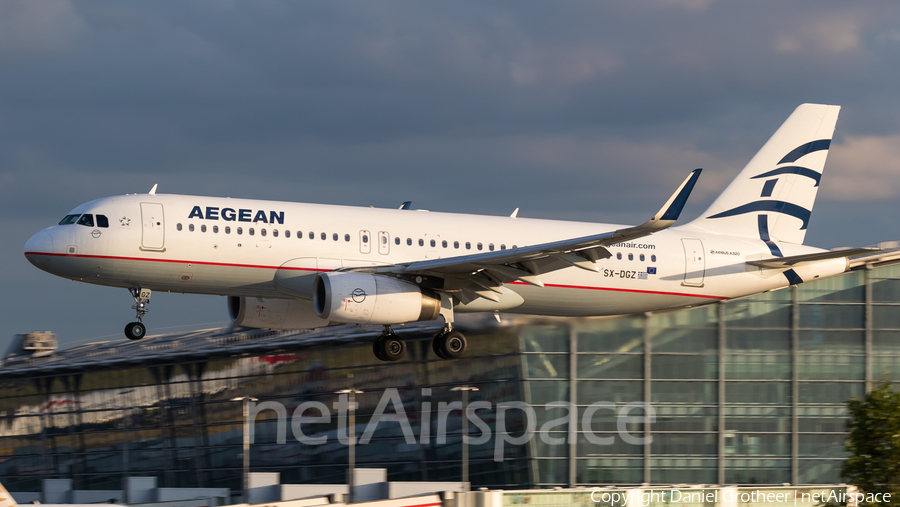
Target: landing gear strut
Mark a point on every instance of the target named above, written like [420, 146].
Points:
[388, 347]
[136, 330]
[448, 344]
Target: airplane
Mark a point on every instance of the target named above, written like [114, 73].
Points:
[285, 265]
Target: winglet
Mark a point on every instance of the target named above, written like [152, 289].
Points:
[405, 205]
[514, 213]
[153, 190]
[672, 208]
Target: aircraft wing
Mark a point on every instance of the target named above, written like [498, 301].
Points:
[789, 262]
[481, 275]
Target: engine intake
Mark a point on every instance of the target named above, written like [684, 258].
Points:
[359, 298]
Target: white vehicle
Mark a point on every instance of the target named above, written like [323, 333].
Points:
[291, 266]
[6, 500]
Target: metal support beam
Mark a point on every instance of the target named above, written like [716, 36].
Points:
[795, 384]
[721, 410]
[573, 401]
[869, 325]
[648, 377]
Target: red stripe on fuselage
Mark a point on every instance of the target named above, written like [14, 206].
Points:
[257, 266]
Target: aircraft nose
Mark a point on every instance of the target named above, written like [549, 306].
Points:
[38, 245]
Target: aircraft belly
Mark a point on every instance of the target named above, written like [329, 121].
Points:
[585, 302]
[169, 276]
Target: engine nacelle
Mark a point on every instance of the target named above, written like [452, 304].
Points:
[359, 298]
[273, 313]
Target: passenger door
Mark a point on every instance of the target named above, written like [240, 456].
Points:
[384, 243]
[694, 262]
[153, 225]
[365, 241]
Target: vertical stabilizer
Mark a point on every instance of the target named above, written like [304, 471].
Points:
[773, 197]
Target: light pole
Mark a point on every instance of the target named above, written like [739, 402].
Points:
[246, 400]
[465, 439]
[351, 436]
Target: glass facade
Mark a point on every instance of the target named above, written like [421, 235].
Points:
[748, 391]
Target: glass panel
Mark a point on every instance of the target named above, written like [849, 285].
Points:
[748, 313]
[886, 291]
[694, 393]
[831, 316]
[757, 445]
[618, 447]
[548, 391]
[686, 419]
[747, 366]
[610, 471]
[886, 341]
[829, 393]
[539, 338]
[757, 419]
[692, 330]
[885, 366]
[822, 419]
[86, 220]
[612, 335]
[831, 367]
[68, 220]
[819, 471]
[754, 340]
[684, 444]
[886, 317]
[849, 287]
[682, 471]
[823, 446]
[553, 472]
[833, 341]
[546, 365]
[757, 471]
[664, 366]
[892, 271]
[611, 366]
[616, 391]
[758, 393]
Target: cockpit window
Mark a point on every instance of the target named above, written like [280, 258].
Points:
[69, 219]
[102, 221]
[86, 220]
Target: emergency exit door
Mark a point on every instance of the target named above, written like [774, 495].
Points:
[153, 223]
[694, 262]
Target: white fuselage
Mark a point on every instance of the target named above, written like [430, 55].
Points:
[268, 249]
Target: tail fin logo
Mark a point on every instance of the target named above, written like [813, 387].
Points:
[781, 206]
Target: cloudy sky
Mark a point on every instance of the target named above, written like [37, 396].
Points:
[570, 110]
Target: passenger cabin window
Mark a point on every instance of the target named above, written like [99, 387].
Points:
[69, 220]
[642, 257]
[433, 243]
[491, 247]
[102, 221]
[421, 242]
[216, 229]
[262, 232]
[191, 227]
[323, 236]
[177, 227]
[251, 231]
[86, 220]
[409, 241]
[287, 234]
[631, 257]
[227, 229]
[203, 228]
[444, 243]
[240, 230]
[480, 246]
[396, 240]
[312, 235]
[275, 233]
[502, 247]
[468, 245]
[456, 244]
[653, 258]
[347, 238]
[619, 256]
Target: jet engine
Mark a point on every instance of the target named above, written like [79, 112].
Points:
[359, 298]
[273, 313]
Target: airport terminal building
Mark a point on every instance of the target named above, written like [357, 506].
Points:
[748, 391]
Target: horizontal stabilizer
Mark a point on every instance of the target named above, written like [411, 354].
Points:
[789, 262]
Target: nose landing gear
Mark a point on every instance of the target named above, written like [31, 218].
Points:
[137, 330]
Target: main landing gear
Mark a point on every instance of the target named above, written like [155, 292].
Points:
[388, 347]
[136, 330]
[449, 344]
